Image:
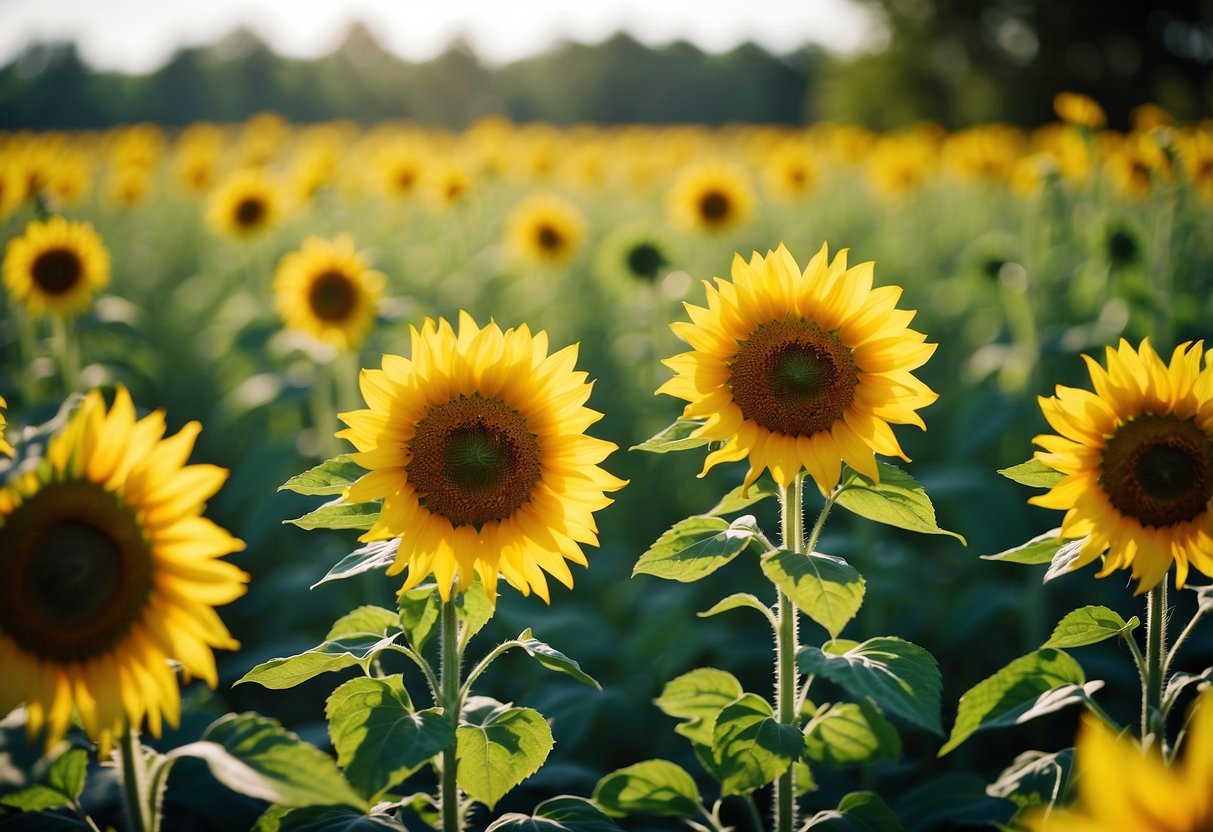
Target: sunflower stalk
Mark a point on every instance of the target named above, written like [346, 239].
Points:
[1152, 681]
[136, 793]
[324, 411]
[65, 353]
[452, 701]
[786, 673]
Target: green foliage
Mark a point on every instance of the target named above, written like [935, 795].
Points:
[60, 786]
[741, 498]
[473, 609]
[656, 787]
[559, 814]
[337, 514]
[420, 608]
[696, 547]
[498, 747]
[1033, 473]
[330, 478]
[697, 697]
[377, 555]
[825, 588]
[354, 640]
[675, 437]
[844, 733]
[1089, 625]
[897, 500]
[1040, 549]
[856, 812]
[750, 747]
[901, 677]
[323, 819]
[1035, 778]
[737, 601]
[553, 659]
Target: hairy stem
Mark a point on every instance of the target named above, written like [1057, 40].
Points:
[452, 819]
[1151, 690]
[134, 784]
[786, 681]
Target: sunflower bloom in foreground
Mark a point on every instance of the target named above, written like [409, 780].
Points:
[477, 447]
[327, 291]
[1137, 454]
[800, 370]
[108, 573]
[56, 266]
[1122, 788]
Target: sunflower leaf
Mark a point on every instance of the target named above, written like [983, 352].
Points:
[675, 437]
[336, 654]
[1035, 778]
[376, 555]
[655, 787]
[850, 732]
[60, 786]
[379, 738]
[557, 814]
[496, 754]
[1065, 558]
[825, 588]
[736, 601]
[697, 697]
[900, 676]
[329, 478]
[734, 501]
[1089, 625]
[897, 500]
[553, 659]
[856, 812]
[1033, 473]
[1040, 549]
[751, 748]
[474, 608]
[336, 514]
[696, 547]
[1011, 695]
[323, 819]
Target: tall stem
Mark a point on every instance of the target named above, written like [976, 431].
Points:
[134, 784]
[452, 820]
[786, 674]
[324, 413]
[65, 352]
[1151, 689]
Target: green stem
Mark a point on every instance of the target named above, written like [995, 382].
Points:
[324, 413]
[752, 812]
[786, 681]
[134, 784]
[1187, 631]
[65, 352]
[1151, 693]
[452, 820]
[28, 342]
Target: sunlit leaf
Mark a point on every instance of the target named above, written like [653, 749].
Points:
[655, 787]
[825, 588]
[696, 547]
[329, 478]
[495, 755]
[1089, 625]
[557, 814]
[751, 747]
[1033, 473]
[697, 697]
[897, 500]
[674, 437]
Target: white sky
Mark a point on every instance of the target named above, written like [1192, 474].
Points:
[139, 35]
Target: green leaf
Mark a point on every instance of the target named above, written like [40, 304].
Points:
[1204, 598]
[289, 671]
[1033, 473]
[1035, 778]
[901, 677]
[329, 478]
[736, 601]
[674, 437]
[825, 588]
[497, 754]
[420, 608]
[42, 822]
[697, 697]
[1012, 691]
[379, 738]
[849, 732]
[336, 514]
[367, 620]
[1179, 682]
[751, 748]
[734, 501]
[656, 787]
[557, 814]
[61, 785]
[1063, 561]
[857, 812]
[473, 608]
[323, 819]
[377, 555]
[256, 756]
[1040, 549]
[897, 501]
[553, 659]
[1089, 625]
[696, 547]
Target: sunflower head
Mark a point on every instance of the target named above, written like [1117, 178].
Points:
[1078, 109]
[1137, 458]
[545, 229]
[109, 574]
[244, 205]
[327, 291]
[635, 254]
[800, 370]
[5, 448]
[56, 266]
[710, 198]
[477, 447]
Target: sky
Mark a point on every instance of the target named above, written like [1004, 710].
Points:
[140, 35]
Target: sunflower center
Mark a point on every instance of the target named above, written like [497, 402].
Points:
[57, 270]
[75, 572]
[474, 461]
[792, 378]
[1122, 247]
[1159, 470]
[645, 259]
[249, 211]
[549, 238]
[714, 206]
[332, 296]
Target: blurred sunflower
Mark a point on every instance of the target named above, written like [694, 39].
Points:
[109, 574]
[1136, 163]
[5, 448]
[1125, 788]
[1120, 243]
[710, 198]
[1137, 454]
[545, 229]
[634, 253]
[244, 205]
[791, 170]
[477, 448]
[56, 266]
[327, 291]
[800, 371]
[1081, 110]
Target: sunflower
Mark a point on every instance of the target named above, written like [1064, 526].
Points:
[5, 448]
[108, 572]
[244, 205]
[477, 447]
[710, 198]
[800, 371]
[1079, 109]
[1123, 788]
[545, 229]
[327, 291]
[1137, 454]
[636, 253]
[56, 266]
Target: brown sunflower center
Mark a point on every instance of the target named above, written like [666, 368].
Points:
[250, 211]
[57, 271]
[792, 378]
[75, 572]
[1159, 470]
[714, 206]
[474, 461]
[550, 239]
[645, 260]
[332, 296]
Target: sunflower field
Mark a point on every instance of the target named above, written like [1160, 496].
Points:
[592, 479]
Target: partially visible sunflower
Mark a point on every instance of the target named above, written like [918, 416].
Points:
[56, 266]
[800, 371]
[545, 229]
[634, 253]
[710, 198]
[109, 574]
[477, 447]
[1082, 110]
[5, 448]
[244, 205]
[1125, 788]
[327, 290]
[1137, 454]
